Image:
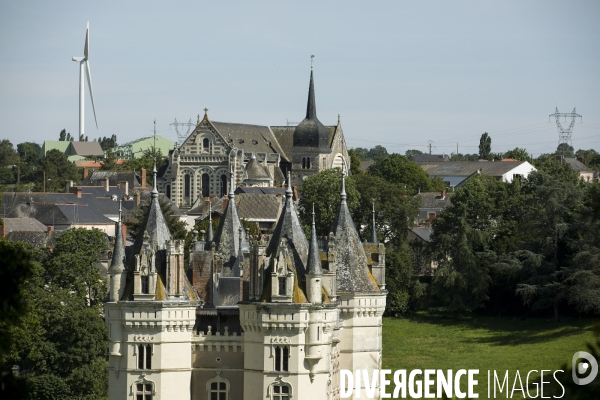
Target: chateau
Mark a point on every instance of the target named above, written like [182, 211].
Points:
[250, 317]
[258, 155]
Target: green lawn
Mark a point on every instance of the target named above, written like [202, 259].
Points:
[484, 343]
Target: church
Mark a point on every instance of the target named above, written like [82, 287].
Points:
[259, 156]
[250, 317]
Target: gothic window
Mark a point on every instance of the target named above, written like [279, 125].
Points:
[218, 391]
[206, 145]
[282, 288]
[168, 190]
[186, 185]
[223, 185]
[143, 391]
[145, 284]
[282, 355]
[145, 356]
[281, 392]
[303, 162]
[205, 185]
[307, 162]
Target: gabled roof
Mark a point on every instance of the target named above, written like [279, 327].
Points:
[434, 200]
[85, 149]
[249, 138]
[97, 178]
[577, 165]
[466, 168]
[23, 225]
[256, 207]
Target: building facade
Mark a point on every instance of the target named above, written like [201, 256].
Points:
[255, 317]
[258, 156]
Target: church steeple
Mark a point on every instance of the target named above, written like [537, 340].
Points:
[311, 107]
[311, 132]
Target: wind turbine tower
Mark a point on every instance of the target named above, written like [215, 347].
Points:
[84, 68]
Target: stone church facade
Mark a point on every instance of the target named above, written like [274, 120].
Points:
[251, 317]
[258, 156]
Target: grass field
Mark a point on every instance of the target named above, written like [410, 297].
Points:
[485, 343]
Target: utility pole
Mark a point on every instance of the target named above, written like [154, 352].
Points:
[430, 144]
[564, 134]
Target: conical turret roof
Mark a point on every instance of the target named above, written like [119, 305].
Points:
[314, 260]
[117, 264]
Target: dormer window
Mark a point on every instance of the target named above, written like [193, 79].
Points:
[240, 140]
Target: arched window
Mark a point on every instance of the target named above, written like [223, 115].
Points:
[205, 185]
[168, 190]
[303, 162]
[206, 145]
[307, 162]
[186, 185]
[223, 185]
[280, 392]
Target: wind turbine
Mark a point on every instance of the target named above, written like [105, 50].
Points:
[84, 65]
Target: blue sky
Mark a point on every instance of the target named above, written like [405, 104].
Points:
[400, 73]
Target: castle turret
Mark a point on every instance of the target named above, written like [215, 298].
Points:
[117, 266]
[314, 272]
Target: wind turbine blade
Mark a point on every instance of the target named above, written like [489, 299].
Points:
[87, 41]
[89, 79]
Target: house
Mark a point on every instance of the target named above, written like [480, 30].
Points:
[585, 174]
[455, 172]
[73, 150]
[136, 148]
[431, 205]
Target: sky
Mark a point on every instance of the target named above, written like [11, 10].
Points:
[399, 73]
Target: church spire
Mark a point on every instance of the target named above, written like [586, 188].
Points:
[154, 189]
[311, 106]
[373, 231]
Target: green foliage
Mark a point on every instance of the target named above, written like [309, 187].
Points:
[371, 154]
[566, 150]
[464, 157]
[354, 163]
[553, 167]
[58, 170]
[323, 189]
[518, 154]
[110, 161]
[404, 289]
[147, 162]
[108, 143]
[410, 154]
[398, 169]
[485, 146]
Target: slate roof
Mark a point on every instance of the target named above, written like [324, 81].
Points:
[364, 165]
[97, 178]
[263, 207]
[24, 225]
[36, 239]
[260, 190]
[227, 235]
[577, 165]
[422, 232]
[86, 149]
[249, 138]
[311, 133]
[352, 272]
[254, 170]
[466, 168]
[433, 200]
[314, 259]
[431, 158]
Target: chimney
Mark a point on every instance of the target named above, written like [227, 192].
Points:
[580, 159]
[68, 187]
[136, 199]
[85, 172]
[106, 184]
[124, 186]
[143, 177]
[76, 191]
[432, 217]
[443, 194]
[559, 158]
[124, 230]
[50, 229]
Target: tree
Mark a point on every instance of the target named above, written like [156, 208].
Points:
[378, 152]
[565, 150]
[485, 146]
[58, 170]
[362, 153]
[518, 154]
[410, 154]
[63, 135]
[323, 189]
[398, 169]
[8, 159]
[354, 163]
[404, 289]
[110, 161]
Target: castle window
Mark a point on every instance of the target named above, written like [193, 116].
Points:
[218, 391]
[145, 284]
[143, 391]
[282, 290]
[282, 355]
[205, 185]
[168, 191]
[145, 356]
[223, 185]
[303, 162]
[281, 392]
[206, 145]
[307, 162]
[186, 185]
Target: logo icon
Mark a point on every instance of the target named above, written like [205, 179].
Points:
[581, 368]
